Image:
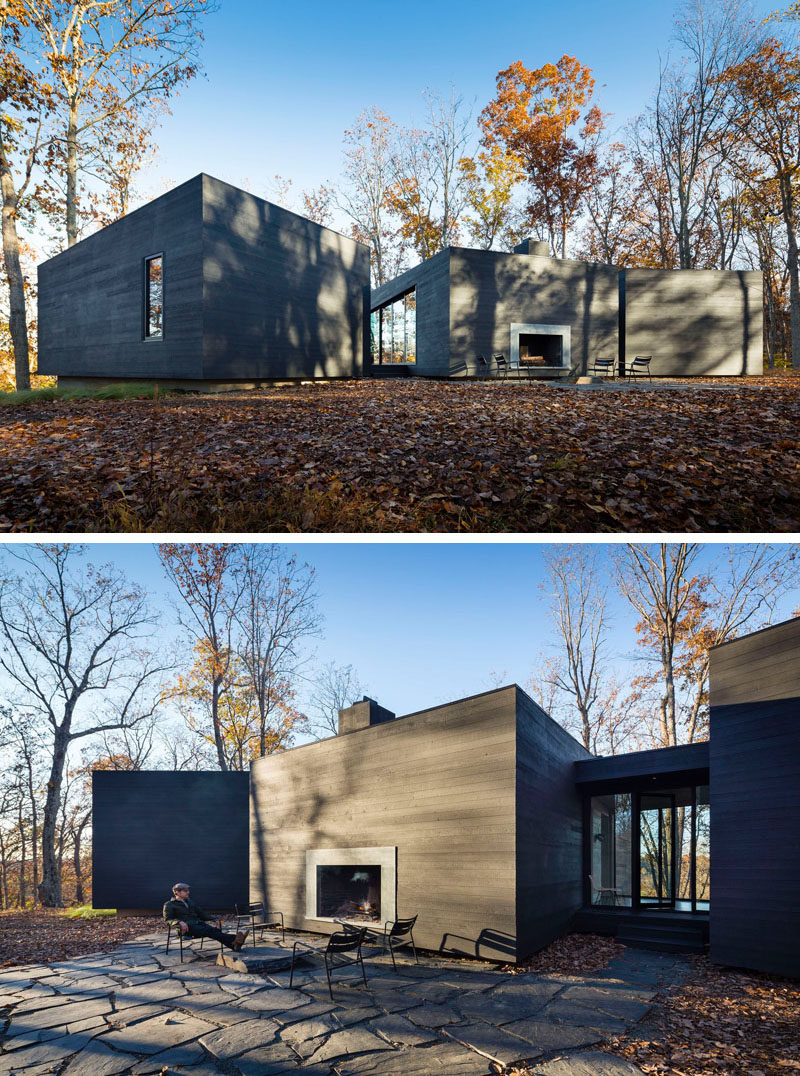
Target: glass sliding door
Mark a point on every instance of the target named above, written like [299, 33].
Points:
[657, 848]
[610, 861]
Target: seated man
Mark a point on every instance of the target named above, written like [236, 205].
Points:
[193, 921]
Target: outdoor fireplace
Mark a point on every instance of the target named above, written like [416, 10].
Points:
[349, 893]
[548, 347]
[357, 885]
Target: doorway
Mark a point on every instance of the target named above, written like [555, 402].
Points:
[657, 850]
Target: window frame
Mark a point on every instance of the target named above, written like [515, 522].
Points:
[147, 337]
[377, 358]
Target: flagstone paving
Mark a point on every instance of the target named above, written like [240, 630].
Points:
[137, 1011]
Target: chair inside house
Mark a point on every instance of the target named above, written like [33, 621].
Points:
[343, 949]
[604, 368]
[639, 368]
[605, 894]
[174, 926]
[398, 933]
[259, 919]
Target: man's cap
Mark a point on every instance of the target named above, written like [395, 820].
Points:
[181, 885]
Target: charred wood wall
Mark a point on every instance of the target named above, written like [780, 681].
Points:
[438, 785]
[151, 829]
[755, 800]
[549, 827]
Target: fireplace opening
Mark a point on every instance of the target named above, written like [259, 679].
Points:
[351, 892]
[540, 350]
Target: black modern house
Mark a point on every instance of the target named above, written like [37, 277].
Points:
[489, 821]
[205, 287]
[560, 316]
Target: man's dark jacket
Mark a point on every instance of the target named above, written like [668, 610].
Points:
[175, 910]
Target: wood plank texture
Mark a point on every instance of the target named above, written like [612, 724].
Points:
[152, 829]
[761, 666]
[439, 785]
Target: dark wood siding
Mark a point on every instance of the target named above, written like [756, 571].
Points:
[755, 820]
[755, 800]
[152, 829]
[91, 297]
[282, 296]
[549, 827]
[432, 282]
[489, 291]
[758, 667]
[439, 785]
[660, 761]
[694, 321]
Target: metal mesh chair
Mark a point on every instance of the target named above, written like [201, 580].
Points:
[259, 919]
[604, 368]
[340, 943]
[171, 924]
[640, 367]
[399, 932]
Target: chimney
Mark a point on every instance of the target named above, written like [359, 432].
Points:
[533, 246]
[363, 714]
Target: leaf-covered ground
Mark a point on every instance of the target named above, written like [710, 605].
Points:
[410, 456]
[42, 935]
[720, 1023]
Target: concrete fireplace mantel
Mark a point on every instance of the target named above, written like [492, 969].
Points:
[516, 330]
[384, 857]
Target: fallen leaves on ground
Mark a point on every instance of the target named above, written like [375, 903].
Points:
[42, 935]
[572, 954]
[410, 455]
[720, 1022]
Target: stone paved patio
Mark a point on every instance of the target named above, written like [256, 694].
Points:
[138, 1011]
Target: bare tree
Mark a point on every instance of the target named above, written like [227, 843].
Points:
[210, 589]
[690, 125]
[578, 611]
[74, 650]
[429, 192]
[335, 688]
[277, 612]
[109, 59]
[368, 175]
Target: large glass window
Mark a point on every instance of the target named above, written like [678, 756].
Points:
[154, 297]
[611, 850]
[394, 330]
[702, 854]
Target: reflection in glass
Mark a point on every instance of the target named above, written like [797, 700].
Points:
[154, 297]
[656, 829]
[703, 849]
[411, 327]
[611, 850]
[394, 331]
[374, 335]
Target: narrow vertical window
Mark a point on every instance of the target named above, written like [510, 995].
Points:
[154, 297]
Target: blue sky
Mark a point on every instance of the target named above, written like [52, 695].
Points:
[283, 81]
[425, 623]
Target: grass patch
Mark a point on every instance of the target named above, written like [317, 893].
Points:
[86, 911]
[132, 390]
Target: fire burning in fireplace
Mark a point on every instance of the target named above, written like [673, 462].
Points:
[349, 892]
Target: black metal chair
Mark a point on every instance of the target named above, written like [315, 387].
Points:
[259, 919]
[339, 944]
[399, 932]
[639, 368]
[501, 362]
[171, 924]
[604, 368]
[484, 367]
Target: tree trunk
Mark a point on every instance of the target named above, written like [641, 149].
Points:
[223, 765]
[72, 177]
[17, 321]
[794, 279]
[23, 892]
[50, 887]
